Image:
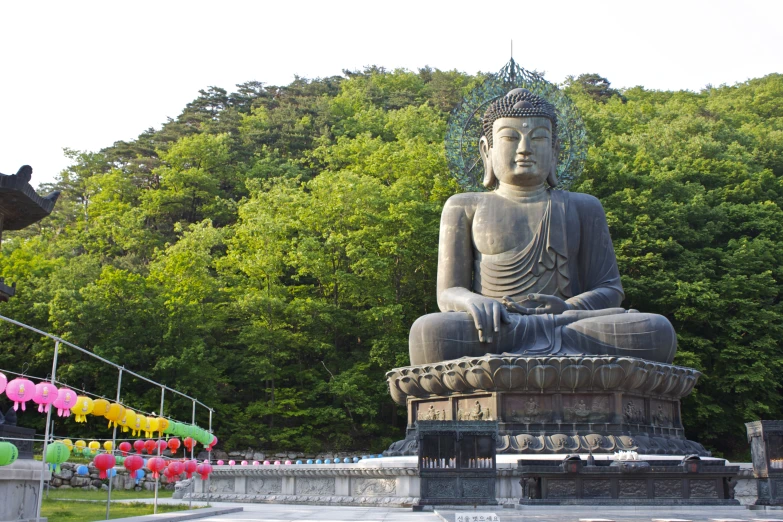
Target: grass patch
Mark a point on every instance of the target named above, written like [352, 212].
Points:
[83, 494]
[72, 511]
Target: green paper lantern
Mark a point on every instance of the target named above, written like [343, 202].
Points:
[8, 453]
[170, 428]
[120, 461]
[87, 452]
[56, 454]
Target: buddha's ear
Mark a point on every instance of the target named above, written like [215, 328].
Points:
[489, 175]
[552, 177]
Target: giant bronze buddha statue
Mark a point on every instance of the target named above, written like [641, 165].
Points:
[531, 330]
[524, 268]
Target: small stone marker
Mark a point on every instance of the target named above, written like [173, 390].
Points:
[671, 520]
[595, 520]
[476, 517]
[728, 520]
[768, 520]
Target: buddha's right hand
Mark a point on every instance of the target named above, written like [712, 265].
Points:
[487, 315]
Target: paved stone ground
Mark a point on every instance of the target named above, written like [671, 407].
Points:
[295, 513]
[624, 514]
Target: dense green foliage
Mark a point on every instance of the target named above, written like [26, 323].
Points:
[268, 250]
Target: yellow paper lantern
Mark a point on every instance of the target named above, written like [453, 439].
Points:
[100, 407]
[163, 425]
[82, 408]
[148, 426]
[128, 420]
[154, 425]
[108, 446]
[80, 444]
[68, 444]
[94, 445]
[138, 424]
[115, 414]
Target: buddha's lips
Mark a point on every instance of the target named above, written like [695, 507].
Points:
[525, 163]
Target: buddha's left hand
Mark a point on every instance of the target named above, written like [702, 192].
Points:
[547, 304]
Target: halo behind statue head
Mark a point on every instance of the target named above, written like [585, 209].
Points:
[466, 123]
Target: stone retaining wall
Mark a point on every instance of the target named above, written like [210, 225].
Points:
[67, 478]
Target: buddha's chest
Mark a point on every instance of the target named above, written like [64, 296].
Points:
[501, 225]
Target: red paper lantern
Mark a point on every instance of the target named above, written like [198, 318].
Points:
[133, 464]
[175, 468]
[125, 448]
[156, 465]
[174, 444]
[162, 446]
[138, 445]
[190, 467]
[189, 443]
[204, 470]
[104, 462]
[212, 444]
[150, 446]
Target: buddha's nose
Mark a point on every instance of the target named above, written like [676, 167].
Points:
[524, 146]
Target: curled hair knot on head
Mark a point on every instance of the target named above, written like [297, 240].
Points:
[518, 103]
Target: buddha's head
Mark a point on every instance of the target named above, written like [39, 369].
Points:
[519, 143]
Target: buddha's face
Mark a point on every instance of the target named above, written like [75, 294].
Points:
[521, 152]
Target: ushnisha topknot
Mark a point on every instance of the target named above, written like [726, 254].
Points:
[518, 103]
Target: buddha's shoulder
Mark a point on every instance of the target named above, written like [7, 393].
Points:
[465, 201]
[584, 203]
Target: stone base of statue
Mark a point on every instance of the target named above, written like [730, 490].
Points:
[548, 404]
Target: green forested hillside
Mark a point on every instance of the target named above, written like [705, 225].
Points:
[267, 250]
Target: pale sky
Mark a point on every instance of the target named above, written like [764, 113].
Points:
[84, 74]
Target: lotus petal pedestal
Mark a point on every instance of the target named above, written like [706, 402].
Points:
[550, 405]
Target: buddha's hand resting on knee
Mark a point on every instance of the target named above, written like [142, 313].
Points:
[551, 305]
[487, 315]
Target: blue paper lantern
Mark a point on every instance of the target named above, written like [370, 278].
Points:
[139, 475]
[319, 461]
[328, 461]
[298, 461]
[309, 461]
[380, 455]
[82, 470]
[337, 461]
[355, 460]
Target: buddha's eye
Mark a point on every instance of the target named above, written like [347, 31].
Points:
[509, 138]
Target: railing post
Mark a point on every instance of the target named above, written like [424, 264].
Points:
[46, 434]
[113, 444]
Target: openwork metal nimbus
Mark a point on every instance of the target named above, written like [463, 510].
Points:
[464, 129]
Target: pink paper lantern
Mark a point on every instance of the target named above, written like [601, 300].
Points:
[45, 395]
[3, 382]
[220, 463]
[266, 463]
[232, 463]
[287, 462]
[277, 463]
[20, 391]
[244, 463]
[65, 400]
[256, 463]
